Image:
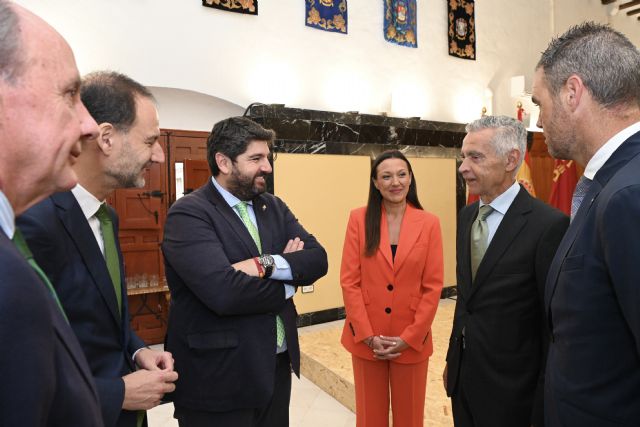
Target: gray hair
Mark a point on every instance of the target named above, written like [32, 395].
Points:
[510, 134]
[11, 60]
[606, 61]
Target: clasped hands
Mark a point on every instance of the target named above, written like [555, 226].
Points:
[248, 266]
[385, 348]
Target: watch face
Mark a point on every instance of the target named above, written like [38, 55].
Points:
[266, 261]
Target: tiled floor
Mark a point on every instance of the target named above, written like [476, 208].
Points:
[310, 407]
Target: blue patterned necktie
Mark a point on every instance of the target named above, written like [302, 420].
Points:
[253, 231]
[582, 188]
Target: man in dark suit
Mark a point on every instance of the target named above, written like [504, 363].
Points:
[233, 254]
[45, 377]
[68, 238]
[587, 85]
[505, 243]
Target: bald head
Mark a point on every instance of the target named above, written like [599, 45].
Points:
[42, 119]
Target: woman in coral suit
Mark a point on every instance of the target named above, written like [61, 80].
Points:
[391, 278]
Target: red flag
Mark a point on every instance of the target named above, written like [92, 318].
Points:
[565, 177]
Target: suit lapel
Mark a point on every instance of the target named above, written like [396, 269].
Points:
[231, 218]
[465, 247]
[262, 212]
[385, 246]
[628, 150]
[509, 228]
[410, 229]
[71, 344]
[77, 227]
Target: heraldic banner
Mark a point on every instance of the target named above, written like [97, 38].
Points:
[249, 7]
[328, 15]
[462, 29]
[400, 22]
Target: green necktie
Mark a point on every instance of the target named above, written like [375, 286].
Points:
[21, 244]
[241, 207]
[110, 251]
[479, 238]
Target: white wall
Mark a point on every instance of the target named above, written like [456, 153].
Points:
[572, 12]
[275, 58]
[183, 109]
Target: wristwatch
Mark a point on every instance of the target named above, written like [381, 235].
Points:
[267, 262]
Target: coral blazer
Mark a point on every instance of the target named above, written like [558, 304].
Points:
[387, 297]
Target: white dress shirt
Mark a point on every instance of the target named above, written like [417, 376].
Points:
[500, 205]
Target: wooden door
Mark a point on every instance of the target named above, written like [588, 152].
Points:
[196, 173]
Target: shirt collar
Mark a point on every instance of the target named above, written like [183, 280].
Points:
[7, 216]
[87, 201]
[226, 195]
[503, 201]
[602, 155]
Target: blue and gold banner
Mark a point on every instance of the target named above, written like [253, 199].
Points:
[462, 29]
[400, 22]
[328, 15]
[249, 7]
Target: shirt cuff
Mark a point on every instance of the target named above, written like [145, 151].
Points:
[289, 291]
[282, 270]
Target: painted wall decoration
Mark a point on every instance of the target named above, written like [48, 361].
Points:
[327, 15]
[249, 7]
[462, 29]
[400, 22]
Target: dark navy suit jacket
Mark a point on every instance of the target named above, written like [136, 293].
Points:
[222, 322]
[593, 303]
[502, 314]
[44, 377]
[64, 246]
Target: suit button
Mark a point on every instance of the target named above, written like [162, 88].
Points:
[387, 310]
[390, 286]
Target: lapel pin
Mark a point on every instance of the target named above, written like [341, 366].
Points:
[264, 208]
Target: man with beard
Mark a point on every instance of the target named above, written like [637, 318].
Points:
[587, 84]
[74, 238]
[233, 255]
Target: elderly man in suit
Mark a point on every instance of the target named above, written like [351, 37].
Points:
[505, 243]
[74, 238]
[45, 377]
[233, 255]
[587, 85]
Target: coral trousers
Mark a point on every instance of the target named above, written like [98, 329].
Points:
[378, 380]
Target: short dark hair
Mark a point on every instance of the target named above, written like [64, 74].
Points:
[606, 61]
[232, 136]
[11, 58]
[110, 97]
[374, 204]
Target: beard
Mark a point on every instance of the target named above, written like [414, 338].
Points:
[560, 135]
[245, 187]
[128, 170]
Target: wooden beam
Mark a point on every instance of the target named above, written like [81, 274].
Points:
[629, 4]
[633, 12]
[606, 2]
